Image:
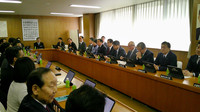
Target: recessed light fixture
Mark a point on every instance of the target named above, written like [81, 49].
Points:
[85, 6]
[66, 14]
[6, 11]
[61, 13]
[10, 1]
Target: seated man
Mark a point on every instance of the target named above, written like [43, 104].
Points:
[71, 45]
[17, 43]
[82, 45]
[131, 55]
[104, 43]
[42, 87]
[7, 70]
[90, 46]
[166, 57]
[193, 66]
[110, 50]
[95, 47]
[119, 50]
[38, 44]
[3, 40]
[3, 47]
[85, 99]
[60, 44]
[143, 54]
[102, 48]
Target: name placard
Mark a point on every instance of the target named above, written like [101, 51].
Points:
[143, 71]
[97, 59]
[124, 66]
[166, 77]
[108, 62]
[196, 85]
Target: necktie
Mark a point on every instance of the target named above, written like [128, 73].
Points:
[108, 50]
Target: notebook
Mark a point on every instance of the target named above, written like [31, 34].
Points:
[109, 104]
[149, 67]
[48, 64]
[175, 72]
[69, 75]
[90, 83]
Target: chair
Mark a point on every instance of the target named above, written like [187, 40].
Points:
[179, 64]
[2, 109]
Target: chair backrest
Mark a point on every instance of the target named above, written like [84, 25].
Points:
[2, 109]
[179, 64]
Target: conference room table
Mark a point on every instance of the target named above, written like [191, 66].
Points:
[177, 95]
[62, 90]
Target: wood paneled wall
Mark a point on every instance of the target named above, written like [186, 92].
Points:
[193, 26]
[88, 25]
[50, 28]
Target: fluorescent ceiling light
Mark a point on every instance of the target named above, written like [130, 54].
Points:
[4, 11]
[10, 1]
[85, 6]
[61, 13]
[66, 14]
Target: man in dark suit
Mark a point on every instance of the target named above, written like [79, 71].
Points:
[7, 70]
[165, 57]
[82, 45]
[71, 45]
[143, 54]
[104, 43]
[119, 50]
[42, 87]
[60, 44]
[110, 50]
[193, 66]
[102, 48]
[89, 49]
[131, 55]
[38, 44]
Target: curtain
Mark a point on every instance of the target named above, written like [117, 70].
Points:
[151, 23]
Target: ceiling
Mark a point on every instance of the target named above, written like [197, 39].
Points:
[44, 7]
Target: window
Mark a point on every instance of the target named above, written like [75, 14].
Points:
[151, 23]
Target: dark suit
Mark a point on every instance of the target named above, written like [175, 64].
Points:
[148, 56]
[7, 73]
[171, 59]
[90, 47]
[62, 45]
[3, 56]
[72, 46]
[197, 33]
[132, 55]
[102, 50]
[111, 52]
[105, 44]
[39, 45]
[82, 47]
[120, 53]
[29, 104]
[192, 65]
